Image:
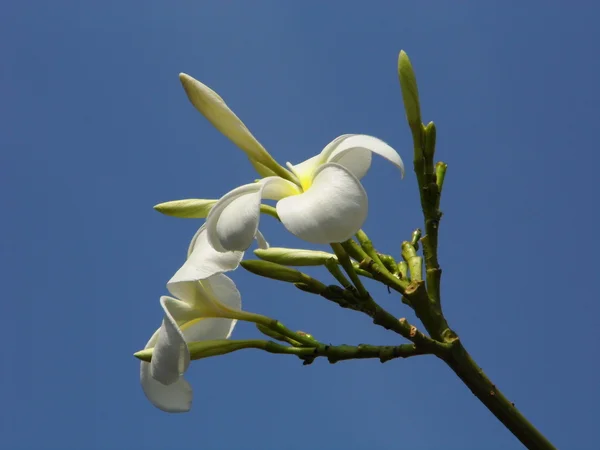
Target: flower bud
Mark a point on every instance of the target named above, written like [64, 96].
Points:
[191, 208]
[410, 93]
[294, 257]
[273, 270]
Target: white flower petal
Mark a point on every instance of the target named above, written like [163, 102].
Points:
[204, 261]
[261, 241]
[214, 108]
[215, 296]
[232, 223]
[220, 288]
[171, 358]
[174, 398]
[305, 170]
[332, 210]
[353, 151]
[193, 325]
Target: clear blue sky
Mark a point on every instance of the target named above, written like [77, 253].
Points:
[96, 129]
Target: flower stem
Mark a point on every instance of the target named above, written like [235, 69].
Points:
[367, 246]
[334, 269]
[427, 304]
[269, 210]
[346, 263]
[335, 353]
[505, 411]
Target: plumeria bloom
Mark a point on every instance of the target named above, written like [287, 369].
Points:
[320, 200]
[206, 306]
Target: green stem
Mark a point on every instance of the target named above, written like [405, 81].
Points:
[505, 411]
[361, 272]
[269, 210]
[335, 353]
[401, 326]
[346, 263]
[440, 174]
[402, 269]
[427, 302]
[415, 262]
[416, 236]
[303, 338]
[367, 246]
[334, 269]
[381, 274]
[354, 250]
[389, 262]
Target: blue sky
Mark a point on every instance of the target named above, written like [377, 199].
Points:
[96, 130]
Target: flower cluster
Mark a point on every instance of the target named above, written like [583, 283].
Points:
[320, 200]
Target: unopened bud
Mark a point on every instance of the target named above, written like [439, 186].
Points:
[294, 257]
[191, 208]
[273, 270]
[410, 93]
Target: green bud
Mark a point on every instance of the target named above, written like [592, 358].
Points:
[416, 236]
[191, 208]
[273, 270]
[389, 262]
[430, 138]
[294, 257]
[403, 269]
[144, 355]
[410, 93]
[440, 174]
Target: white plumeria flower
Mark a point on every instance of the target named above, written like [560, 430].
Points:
[327, 204]
[207, 307]
[205, 310]
[320, 200]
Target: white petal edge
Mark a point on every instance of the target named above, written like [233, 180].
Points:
[214, 108]
[204, 261]
[174, 398]
[171, 358]
[232, 223]
[354, 152]
[182, 324]
[332, 210]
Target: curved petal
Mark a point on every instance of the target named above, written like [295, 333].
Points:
[204, 261]
[232, 223]
[305, 170]
[353, 151]
[214, 108]
[220, 288]
[261, 241]
[332, 210]
[171, 358]
[176, 397]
